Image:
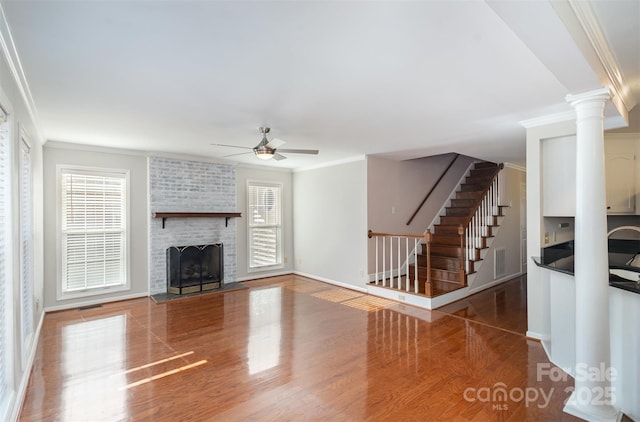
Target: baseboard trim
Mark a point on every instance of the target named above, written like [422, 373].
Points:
[258, 276]
[95, 302]
[330, 281]
[24, 381]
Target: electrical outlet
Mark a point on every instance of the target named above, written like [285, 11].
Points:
[299, 261]
[546, 237]
[361, 273]
[400, 297]
[286, 260]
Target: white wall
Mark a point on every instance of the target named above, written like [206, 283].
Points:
[537, 283]
[330, 223]
[263, 174]
[58, 153]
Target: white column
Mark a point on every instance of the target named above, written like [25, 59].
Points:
[591, 399]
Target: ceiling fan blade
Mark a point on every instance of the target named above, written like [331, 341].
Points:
[240, 153]
[300, 151]
[278, 157]
[275, 143]
[231, 146]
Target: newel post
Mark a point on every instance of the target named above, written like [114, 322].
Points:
[463, 280]
[428, 291]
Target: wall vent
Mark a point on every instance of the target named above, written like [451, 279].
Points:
[499, 263]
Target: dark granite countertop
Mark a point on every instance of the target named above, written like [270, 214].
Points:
[561, 258]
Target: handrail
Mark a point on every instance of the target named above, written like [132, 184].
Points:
[432, 189]
[484, 192]
[370, 234]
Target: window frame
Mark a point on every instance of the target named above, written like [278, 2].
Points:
[92, 171]
[279, 229]
[26, 247]
[7, 336]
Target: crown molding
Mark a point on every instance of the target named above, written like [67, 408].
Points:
[592, 29]
[549, 119]
[515, 166]
[12, 58]
[582, 23]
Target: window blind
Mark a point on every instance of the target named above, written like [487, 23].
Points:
[5, 237]
[93, 230]
[26, 239]
[264, 203]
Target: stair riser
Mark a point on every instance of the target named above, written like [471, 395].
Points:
[484, 165]
[440, 282]
[476, 187]
[445, 263]
[483, 172]
[457, 212]
[453, 221]
[479, 180]
[453, 240]
[467, 203]
[440, 229]
[443, 250]
[468, 195]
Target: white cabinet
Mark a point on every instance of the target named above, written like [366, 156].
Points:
[559, 177]
[621, 173]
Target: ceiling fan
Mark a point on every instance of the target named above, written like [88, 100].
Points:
[266, 149]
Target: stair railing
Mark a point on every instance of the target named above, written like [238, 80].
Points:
[478, 226]
[394, 277]
[397, 274]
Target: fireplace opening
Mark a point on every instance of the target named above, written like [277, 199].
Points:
[194, 268]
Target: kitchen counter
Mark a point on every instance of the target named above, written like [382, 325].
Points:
[561, 258]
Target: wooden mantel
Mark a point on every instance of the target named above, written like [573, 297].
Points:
[225, 215]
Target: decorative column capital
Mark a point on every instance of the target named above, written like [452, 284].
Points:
[601, 95]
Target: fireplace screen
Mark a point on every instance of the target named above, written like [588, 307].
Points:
[194, 268]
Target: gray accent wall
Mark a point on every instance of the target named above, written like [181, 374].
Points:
[68, 154]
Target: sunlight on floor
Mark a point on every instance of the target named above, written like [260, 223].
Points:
[164, 374]
[336, 295]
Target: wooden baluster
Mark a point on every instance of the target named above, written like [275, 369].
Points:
[428, 288]
[462, 273]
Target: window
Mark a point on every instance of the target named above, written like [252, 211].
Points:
[265, 225]
[5, 264]
[26, 245]
[93, 230]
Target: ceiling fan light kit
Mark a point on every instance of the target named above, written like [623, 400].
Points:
[262, 150]
[266, 149]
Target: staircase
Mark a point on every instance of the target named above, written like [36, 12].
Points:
[449, 246]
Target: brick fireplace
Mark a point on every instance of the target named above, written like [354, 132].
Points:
[190, 186]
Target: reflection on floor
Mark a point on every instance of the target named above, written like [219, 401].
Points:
[286, 348]
[503, 306]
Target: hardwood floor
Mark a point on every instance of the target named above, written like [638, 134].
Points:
[287, 348]
[503, 306]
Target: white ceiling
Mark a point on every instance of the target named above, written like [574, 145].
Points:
[402, 79]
